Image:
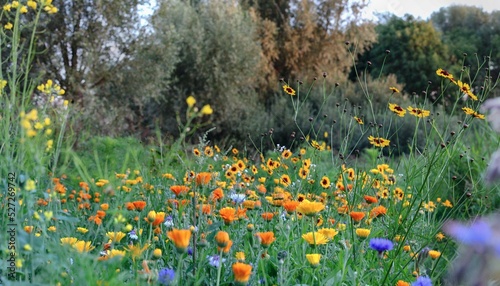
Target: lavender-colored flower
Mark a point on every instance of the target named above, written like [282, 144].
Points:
[214, 260]
[190, 251]
[237, 198]
[422, 281]
[476, 234]
[169, 221]
[133, 235]
[166, 276]
[381, 244]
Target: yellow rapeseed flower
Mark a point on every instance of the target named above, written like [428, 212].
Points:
[8, 26]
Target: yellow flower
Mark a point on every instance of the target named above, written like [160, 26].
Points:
[240, 256]
[398, 110]
[315, 238]
[313, 259]
[309, 208]
[393, 89]
[444, 73]
[418, 112]
[157, 253]
[82, 230]
[7, 7]
[190, 101]
[288, 89]
[52, 228]
[362, 232]
[8, 26]
[69, 240]
[465, 88]
[23, 9]
[31, 4]
[83, 246]
[329, 233]
[30, 185]
[434, 254]
[115, 236]
[136, 250]
[359, 120]
[470, 111]
[378, 141]
[27, 247]
[206, 110]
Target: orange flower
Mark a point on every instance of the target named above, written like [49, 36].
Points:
[370, 199]
[228, 215]
[267, 216]
[203, 178]
[290, 206]
[217, 194]
[242, 272]
[129, 206]
[378, 211]
[222, 238]
[226, 248]
[178, 190]
[357, 216]
[155, 218]
[266, 238]
[181, 238]
[139, 205]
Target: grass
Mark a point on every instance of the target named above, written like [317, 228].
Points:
[110, 211]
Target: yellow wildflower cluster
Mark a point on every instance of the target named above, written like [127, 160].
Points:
[205, 110]
[50, 88]
[32, 125]
[23, 9]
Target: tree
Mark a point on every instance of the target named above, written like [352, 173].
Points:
[472, 31]
[407, 47]
[217, 62]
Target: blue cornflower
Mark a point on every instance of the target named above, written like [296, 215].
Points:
[237, 198]
[165, 276]
[381, 244]
[422, 281]
[478, 233]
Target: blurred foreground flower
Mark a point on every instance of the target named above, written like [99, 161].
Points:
[478, 260]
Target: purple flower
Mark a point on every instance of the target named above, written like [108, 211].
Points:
[381, 244]
[422, 281]
[165, 276]
[169, 221]
[478, 233]
[215, 260]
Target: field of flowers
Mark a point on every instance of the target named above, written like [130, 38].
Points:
[302, 214]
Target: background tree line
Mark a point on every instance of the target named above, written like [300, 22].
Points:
[128, 74]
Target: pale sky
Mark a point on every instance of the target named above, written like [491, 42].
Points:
[422, 8]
